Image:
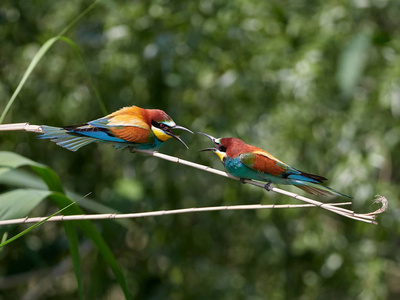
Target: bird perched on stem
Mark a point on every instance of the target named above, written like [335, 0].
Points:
[249, 162]
[133, 127]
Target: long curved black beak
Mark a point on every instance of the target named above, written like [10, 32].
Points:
[177, 136]
[211, 138]
[183, 128]
[208, 149]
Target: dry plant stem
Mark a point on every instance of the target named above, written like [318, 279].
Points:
[21, 126]
[155, 213]
[368, 218]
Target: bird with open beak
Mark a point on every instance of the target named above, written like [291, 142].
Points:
[249, 162]
[133, 127]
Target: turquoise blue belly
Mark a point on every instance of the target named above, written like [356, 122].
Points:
[120, 143]
[236, 168]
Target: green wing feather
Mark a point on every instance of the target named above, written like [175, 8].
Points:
[263, 162]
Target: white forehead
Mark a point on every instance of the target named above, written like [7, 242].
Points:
[170, 123]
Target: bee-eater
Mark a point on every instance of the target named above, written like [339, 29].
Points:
[249, 162]
[133, 127]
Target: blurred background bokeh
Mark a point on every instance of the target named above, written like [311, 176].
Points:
[316, 83]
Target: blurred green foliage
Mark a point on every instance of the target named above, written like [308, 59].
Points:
[316, 83]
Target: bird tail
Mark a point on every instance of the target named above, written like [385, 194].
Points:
[65, 138]
[317, 189]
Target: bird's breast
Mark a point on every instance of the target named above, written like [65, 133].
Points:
[236, 168]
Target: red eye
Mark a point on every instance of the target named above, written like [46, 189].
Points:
[162, 125]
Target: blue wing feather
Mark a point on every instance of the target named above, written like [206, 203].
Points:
[101, 135]
[74, 138]
[100, 123]
[298, 176]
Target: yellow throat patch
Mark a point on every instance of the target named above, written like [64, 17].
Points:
[220, 154]
[161, 135]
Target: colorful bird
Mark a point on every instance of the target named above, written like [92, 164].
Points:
[133, 127]
[249, 162]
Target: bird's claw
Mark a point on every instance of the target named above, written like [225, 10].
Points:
[242, 180]
[268, 187]
[131, 150]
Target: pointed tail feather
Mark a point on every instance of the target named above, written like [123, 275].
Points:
[317, 189]
[65, 138]
[304, 176]
[313, 177]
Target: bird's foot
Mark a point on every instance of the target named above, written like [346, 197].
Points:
[268, 187]
[131, 149]
[242, 180]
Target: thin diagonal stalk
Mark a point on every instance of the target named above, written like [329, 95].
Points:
[39, 55]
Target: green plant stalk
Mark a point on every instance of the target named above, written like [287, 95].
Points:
[39, 55]
[6, 241]
[11, 160]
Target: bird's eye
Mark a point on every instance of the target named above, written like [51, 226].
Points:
[221, 148]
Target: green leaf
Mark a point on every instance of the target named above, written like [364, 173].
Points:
[13, 160]
[36, 59]
[10, 160]
[5, 241]
[100, 101]
[21, 178]
[18, 203]
[39, 55]
[73, 242]
[352, 62]
[90, 231]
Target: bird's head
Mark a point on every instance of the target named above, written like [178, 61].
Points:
[226, 147]
[162, 124]
[221, 145]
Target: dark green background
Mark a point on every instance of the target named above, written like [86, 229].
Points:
[316, 83]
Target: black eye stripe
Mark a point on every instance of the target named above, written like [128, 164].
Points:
[159, 125]
[221, 148]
